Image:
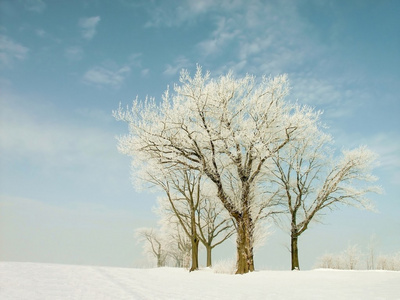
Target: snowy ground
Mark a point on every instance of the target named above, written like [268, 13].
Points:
[46, 281]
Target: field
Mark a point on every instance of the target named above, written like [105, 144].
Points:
[36, 281]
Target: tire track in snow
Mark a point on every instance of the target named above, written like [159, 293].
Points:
[128, 284]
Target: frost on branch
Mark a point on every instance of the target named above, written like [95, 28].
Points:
[155, 244]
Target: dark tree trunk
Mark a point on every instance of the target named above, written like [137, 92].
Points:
[295, 252]
[195, 254]
[159, 264]
[209, 259]
[244, 222]
[245, 259]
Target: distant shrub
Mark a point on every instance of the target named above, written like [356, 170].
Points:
[351, 257]
[227, 266]
[389, 262]
[347, 260]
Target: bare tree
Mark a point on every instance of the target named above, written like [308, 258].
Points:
[389, 262]
[227, 129]
[310, 181]
[351, 257]
[183, 196]
[214, 226]
[326, 261]
[179, 246]
[154, 244]
[370, 257]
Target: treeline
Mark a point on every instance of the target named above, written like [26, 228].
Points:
[353, 258]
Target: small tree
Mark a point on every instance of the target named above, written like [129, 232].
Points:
[327, 261]
[389, 262]
[179, 246]
[310, 181]
[351, 257]
[214, 226]
[183, 196]
[370, 257]
[154, 244]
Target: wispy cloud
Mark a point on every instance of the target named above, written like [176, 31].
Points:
[40, 33]
[180, 63]
[88, 26]
[74, 53]
[388, 147]
[220, 37]
[37, 6]
[25, 134]
[10, 51]
[164, 14]
[145, 72]
[273, 38]
[102, 76]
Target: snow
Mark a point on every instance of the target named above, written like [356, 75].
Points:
[50, 281]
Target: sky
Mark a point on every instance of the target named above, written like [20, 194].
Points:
[66, 194]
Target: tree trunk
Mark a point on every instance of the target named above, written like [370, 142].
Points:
[209, 262]
[295, 252]
[159, 261]
[195, 254]
[245, 259]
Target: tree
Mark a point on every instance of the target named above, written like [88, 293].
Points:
[154, 244]
[310, 181]
[227, 129]
[183, 196]
[351, 257]
[370, 257]
[213, 223]
[179, 246]
[389, 262]
[191, 204]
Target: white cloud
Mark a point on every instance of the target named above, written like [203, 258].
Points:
[199, 6]
[220, 37]
[145, 72]
[37, 6]
[180, 63]
[88, 26]
[272, 38]
[26, 133]
[164, 14]
[10, 51]
[387, 145]
[96, 115]
[74, 53]
[102, 76]
[40, 32]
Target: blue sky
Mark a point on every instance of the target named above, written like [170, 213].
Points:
[65, 191]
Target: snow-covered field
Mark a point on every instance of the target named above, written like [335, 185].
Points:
[48, 281]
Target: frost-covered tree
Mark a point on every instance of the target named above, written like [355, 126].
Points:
[310, 181]
[179, 245]
[154, 244]
[370, 257]
[225, 128]
[389, 262]
[351, 257]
